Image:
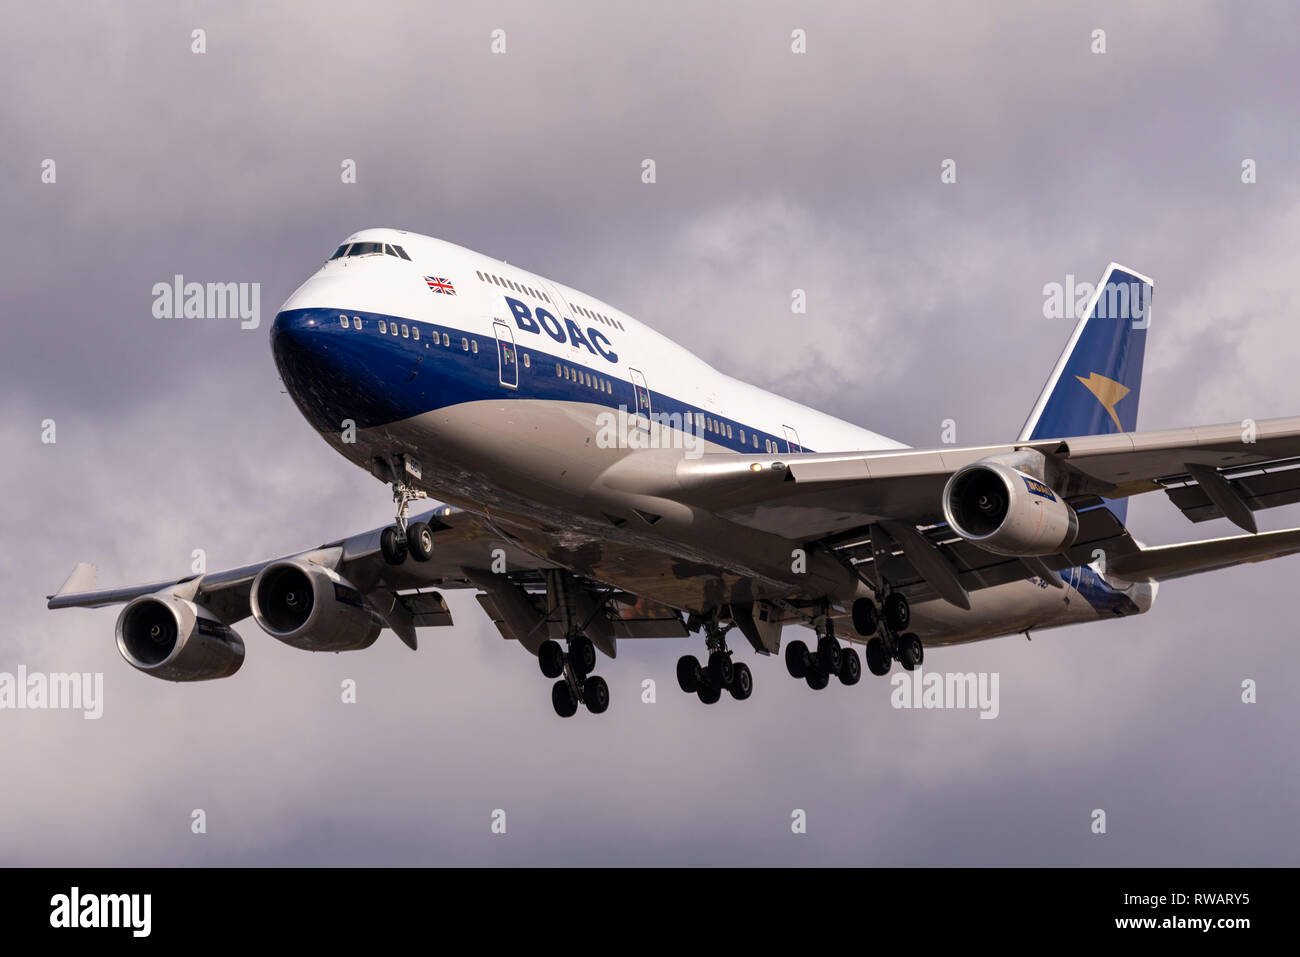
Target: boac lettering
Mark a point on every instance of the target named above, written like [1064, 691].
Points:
[526, 322]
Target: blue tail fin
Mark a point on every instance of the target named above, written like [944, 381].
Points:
[1095, 386]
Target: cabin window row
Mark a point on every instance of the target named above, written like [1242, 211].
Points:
[597, 316]
[563, 371]
[412, 331]
[725, 430]
[581, 376]
[511, 284]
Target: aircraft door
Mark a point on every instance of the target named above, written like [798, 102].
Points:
[642, 400]
[507, 357]
[792, 443]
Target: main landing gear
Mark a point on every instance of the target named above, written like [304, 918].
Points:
[576, 684]
[893, 641]
[402, 539]
[709, 681]
[574, 669]
[830, 658]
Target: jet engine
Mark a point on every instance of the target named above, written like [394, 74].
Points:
[171, 638]
[312, 607]
[1006, 511]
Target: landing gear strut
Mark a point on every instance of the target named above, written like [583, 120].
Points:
[573, 668]
[708, 681]
[894, 641]
[577, 683]
[402, 539]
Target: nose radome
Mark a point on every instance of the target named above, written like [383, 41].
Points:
[293, 324]
[308, 368]
[338, 374]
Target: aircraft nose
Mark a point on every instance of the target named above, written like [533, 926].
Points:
[289, 331]
[306, 367]
[337, 372]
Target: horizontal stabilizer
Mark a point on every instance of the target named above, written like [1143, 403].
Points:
[1191, 558]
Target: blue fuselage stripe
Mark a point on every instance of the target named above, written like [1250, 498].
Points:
[372, 378]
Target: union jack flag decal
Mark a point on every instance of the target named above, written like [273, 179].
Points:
[438, 284]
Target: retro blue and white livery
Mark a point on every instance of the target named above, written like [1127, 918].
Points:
[602, 483]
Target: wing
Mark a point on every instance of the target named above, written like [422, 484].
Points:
[843, 501]
[406, 596]
[399, 594]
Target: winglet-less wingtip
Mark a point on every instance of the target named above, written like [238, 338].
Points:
[83, 578]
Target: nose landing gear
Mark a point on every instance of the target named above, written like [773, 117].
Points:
[402, 539]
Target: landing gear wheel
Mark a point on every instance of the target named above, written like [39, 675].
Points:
[865, 621]
[419, 541]
[796, 659]
[595, 694]
[688, 673]
[816, 680]
[562, 697]
[551, 658]
[721, 671]
[709, 694]
[742, 682]
[897, 612]
[878, 660]
[910, 651]
[582, 656]
[828, 655]
[392, 546]
[850, 667]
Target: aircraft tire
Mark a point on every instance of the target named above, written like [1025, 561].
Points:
[850, 672]
[550, 656]
[796, 659]
[742, 682]
[563, 700]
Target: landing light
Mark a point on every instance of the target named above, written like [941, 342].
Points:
[756, 467]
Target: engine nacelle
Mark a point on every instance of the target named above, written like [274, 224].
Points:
[175, 639]
[1008, 512]
[311, 607]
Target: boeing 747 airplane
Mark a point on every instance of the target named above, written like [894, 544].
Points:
[603, 484]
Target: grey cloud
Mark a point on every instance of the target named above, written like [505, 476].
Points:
[775, 172]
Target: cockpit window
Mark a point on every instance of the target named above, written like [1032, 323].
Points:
[348, 250]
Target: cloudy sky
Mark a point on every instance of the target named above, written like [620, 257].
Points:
[775, 171]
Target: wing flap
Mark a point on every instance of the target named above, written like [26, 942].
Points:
[1258, 489]
[976, 569]
[1163, 562]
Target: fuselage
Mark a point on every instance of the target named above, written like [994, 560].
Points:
[518, 398]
